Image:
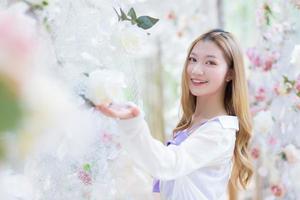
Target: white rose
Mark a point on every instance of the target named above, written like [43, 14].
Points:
[295, 60]
[263, 122]
[292, 153]
[131, 38]
[105, 86]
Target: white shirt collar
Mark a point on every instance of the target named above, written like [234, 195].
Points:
[227, 121]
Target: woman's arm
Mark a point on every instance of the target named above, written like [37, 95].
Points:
[205, 147]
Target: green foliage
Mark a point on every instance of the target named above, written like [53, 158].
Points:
[87, 167]
[144, 22]
[10, 108]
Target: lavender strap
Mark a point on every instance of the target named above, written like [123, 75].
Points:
[180, 137]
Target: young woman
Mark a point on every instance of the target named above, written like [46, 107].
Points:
[210, 142]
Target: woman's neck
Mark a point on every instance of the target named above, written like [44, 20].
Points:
[207, 108]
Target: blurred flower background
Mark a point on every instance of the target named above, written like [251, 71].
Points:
[60, 58]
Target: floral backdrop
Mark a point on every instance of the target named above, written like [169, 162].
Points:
[58, 59]
[275, 96]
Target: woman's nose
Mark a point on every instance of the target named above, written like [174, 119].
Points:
[198, 70]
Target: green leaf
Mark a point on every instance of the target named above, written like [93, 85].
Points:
[123, 15]
[45, 3]
[298, 94]
[10, 107]
[146, 22]
[2, 150]
[132, 14]
[268, 13]
[119, 16]
[283, 156]
[86, 74]
[87, 167]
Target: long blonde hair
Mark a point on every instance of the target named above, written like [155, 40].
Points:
[235, 101]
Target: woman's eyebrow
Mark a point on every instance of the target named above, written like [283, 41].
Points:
[211, 56]
[193, 54]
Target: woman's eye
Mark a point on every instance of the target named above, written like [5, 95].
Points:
[211, 63]
[192, 59]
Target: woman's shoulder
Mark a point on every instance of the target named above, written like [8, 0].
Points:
[222, 122]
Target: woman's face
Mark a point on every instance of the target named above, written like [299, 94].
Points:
[206, 69]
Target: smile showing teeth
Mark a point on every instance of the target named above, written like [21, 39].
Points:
[198, 81]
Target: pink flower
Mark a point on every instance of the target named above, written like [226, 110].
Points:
[85, 177]
[17, 33]
[171, 15]
[254, 57]
[270, 60]
[278, 190]
[17, 43]
[268, 65]
[255, 153]
[261, 95]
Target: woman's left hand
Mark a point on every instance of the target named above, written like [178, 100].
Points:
[119, 111]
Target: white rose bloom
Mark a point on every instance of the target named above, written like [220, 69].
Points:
[295, 60]
[263, 122]
[131, 38]
[105, 86]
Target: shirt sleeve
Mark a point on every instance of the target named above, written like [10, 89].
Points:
[209, 146]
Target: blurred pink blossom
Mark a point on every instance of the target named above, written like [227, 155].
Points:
[278, 190]
[260, 95]
[17, 42]
[17, 34]
[254, 57]
[255, 152]
[85, 177]
[270, 60]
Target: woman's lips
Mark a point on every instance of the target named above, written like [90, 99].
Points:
[197, 82]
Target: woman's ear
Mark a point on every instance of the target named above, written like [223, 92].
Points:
[229, 75]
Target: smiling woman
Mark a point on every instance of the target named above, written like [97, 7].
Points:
[214, 100]
[206, 65]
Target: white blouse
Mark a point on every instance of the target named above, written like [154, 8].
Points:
[199, 168]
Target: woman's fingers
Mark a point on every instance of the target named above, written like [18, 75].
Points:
[119, 111]
[106, 110]
[135, 111]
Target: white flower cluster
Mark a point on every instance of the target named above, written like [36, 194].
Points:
[105, 86]
[263, 122]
